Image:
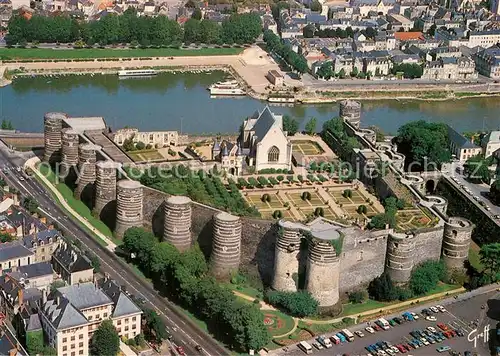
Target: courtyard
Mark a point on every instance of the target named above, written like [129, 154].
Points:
[411, 218]
[307, 149]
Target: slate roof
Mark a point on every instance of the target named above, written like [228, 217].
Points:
[12, 250]
[34, 323]
[63, 315]
[123, 304]
[459, 140]
[44, 236]
[36, 270]
[493, 136]
[71, 258]
[84, 295]
[8, 343]
[265, 122]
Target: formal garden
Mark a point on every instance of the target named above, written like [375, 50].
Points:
[307, 147]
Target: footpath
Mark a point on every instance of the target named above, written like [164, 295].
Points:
[31, 163]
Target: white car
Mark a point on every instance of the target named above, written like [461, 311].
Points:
[415, 315]
[318, 345]
[430, 318]
[370, 329]
[359, 333]
[424, 340]
[441, 308]
[389, 351]
[434, 309]
[395, 349]
[382, 353]
[431, 329]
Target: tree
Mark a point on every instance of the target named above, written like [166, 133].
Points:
[378, 132]
[426, 276]
[34, 342]
[308, 31]
[128, 144]
[432, 30]
[316, 6]
[341, 73]
[291, 126]
[6, 237]
[495, 192]
[7, 125]
[489, 256]
[192, 30]
[382, 289]
[477, 169]
[409, 70]
[241, 28]
[155, 328]
[105, 340]
[424, 144]
[370, 32]
[196, 14]
[311, 126]
[354, 72]
[30, 204]
[140, 145]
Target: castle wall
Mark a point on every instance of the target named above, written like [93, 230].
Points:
[286, 260]
[363, 257]
[428, 244]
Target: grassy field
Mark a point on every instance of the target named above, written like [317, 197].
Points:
[474, 259]
[47, 53]
[277, 322]
[353, 309]
[145, 155]
[76, 204]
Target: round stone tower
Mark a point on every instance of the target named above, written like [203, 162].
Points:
[87, 156]
[400, 251]
[69, 152]
[52, 127]
[105, 184]
[323, 273]
[128, 206]
[286, 260]
[350, 111]
[226, 245]
[177, 225]
[439, 203]
[456, 241]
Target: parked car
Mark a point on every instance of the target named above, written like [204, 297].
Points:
[430, 318]
[443, 348]
[431, 329]
[434, 309]
[443, 326]
[318, 345]
[359, 333]
[441, 308]
[370, 329]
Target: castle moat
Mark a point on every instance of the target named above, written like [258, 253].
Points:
[180, 101]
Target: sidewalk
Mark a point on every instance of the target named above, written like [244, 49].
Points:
[31, 163]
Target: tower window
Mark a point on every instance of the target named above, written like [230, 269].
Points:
[273, 154]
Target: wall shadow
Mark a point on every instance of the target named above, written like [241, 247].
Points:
[205, 238]
[264, 256]
[108, 214]
[158, 220]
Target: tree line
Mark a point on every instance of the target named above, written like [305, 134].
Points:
[274, 44]
[183, 277]
[132, 29]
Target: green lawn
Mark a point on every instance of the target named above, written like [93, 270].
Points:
[47, 53]
[354, 309]
[76, 204]
[474, 259]
[281, 323]
[252, 292]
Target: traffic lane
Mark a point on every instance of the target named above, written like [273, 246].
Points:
[32, 188]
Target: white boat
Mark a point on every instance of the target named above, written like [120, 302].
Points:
[231, 87]
[137, 72]
[281, 99]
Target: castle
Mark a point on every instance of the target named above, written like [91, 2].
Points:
[323, 257]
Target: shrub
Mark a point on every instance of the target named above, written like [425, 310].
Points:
[140, 145]
[347, 193]
[300, 178]
[306, 196]
[263, 181]
[280, 178]
[299, 304]
[273, 180]
[319, 211]
[171, 152]
[266, 198]
[290, 178]
[357, 297]
[362, 209]
[278, 214]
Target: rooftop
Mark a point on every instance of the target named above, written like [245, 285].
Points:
[84, 295]
[82, 124]
[12, 250]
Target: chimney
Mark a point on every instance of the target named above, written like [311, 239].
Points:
[20, 296]
[58, 300]
[44, 296]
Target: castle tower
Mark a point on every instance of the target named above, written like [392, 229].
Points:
[323, 273]
[87, 156]
[286, 260]
[400, 252]
[128, 206]
[52, 127]
[105, 184]
[69, 152]
[226, 245]
[350, 111]
[177, 225]
[440, 203]
[456, 241]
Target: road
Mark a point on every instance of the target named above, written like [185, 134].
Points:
[460, 312]
[187, 334]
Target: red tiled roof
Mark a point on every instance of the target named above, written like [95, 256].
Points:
[405, 36]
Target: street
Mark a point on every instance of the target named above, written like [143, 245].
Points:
[187, 334]
[459, 313]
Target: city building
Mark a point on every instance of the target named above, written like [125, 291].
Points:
[461, 147]
[38, 275]
[488, 62]
[377, 63]
[275, 78]
[486, 38]
[153, 138]
[491, 144]
[399, 22]
[13, 254]
[450, 68]
[14, 294]
[42, 244]
[264, 142]
[230, 155]
[71, 264]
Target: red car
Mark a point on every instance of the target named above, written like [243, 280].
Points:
[401, 348]
[180, 350]
[376, 327]
[407, 347]
[442, 326]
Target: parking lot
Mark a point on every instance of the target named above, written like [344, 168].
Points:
[458, 315]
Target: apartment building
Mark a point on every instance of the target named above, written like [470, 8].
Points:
[461, 147]
[491, 144]
[42, 244]
[488, 62]
[71, 264]
[13, 254]
[484, 39]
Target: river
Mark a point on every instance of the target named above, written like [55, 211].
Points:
[181, 102]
